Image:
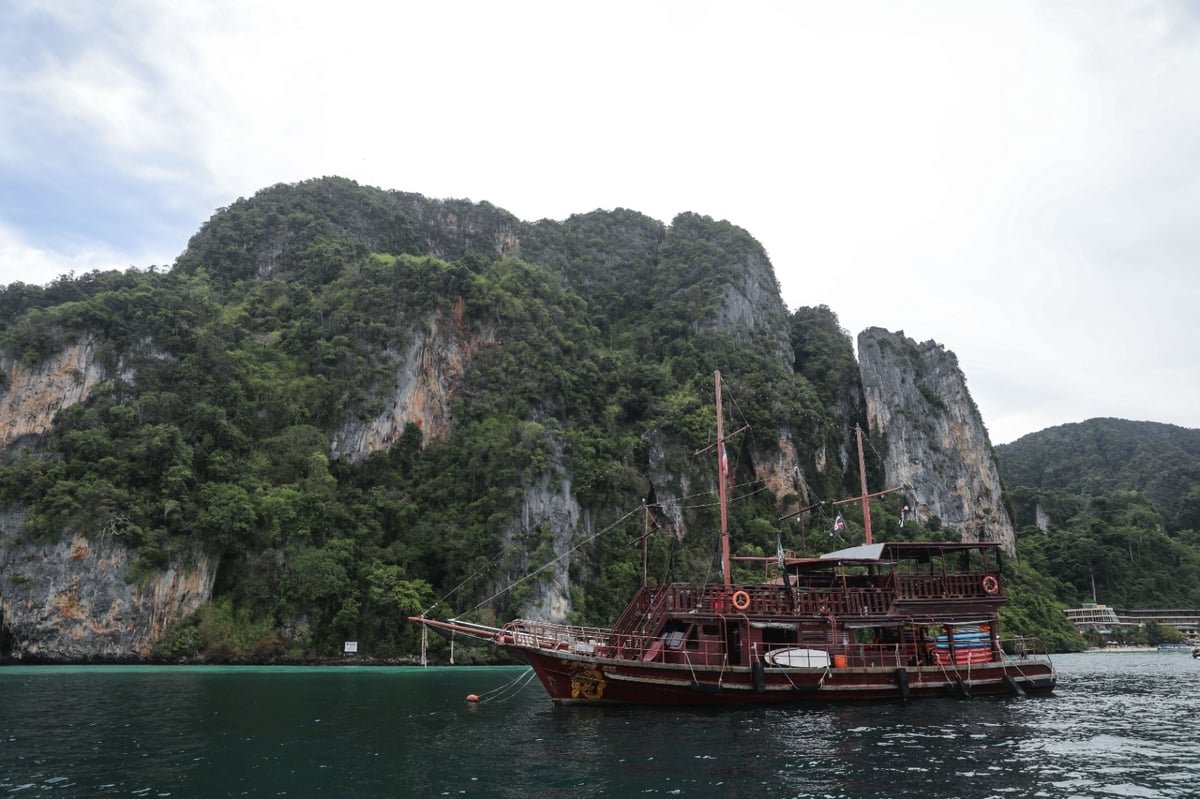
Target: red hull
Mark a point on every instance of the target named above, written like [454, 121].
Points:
[578, 679]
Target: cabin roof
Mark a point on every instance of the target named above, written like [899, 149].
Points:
[878, 554]
[861, 552]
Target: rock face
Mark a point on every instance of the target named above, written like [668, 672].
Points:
[72, 600]
[551, 510]
[427, 374]
[35, 393]
[935, 443]
[752, 308]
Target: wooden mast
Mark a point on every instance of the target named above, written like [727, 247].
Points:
[864, 497]
[645, 537]
[722, 469]
[862, 475]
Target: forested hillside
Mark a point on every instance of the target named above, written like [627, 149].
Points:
[1112, 504]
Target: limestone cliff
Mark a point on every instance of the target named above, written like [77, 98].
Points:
[73, 600]
[427, 374]
[752, 310]
[35, 393]
[930, 436]
[550, 514]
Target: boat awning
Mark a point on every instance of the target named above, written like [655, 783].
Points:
[861, 552]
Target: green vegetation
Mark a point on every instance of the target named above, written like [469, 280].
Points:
[589, 348]
[1101, 456]
[1108, 508]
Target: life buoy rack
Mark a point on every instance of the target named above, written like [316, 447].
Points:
[741, 600]
[990, 584]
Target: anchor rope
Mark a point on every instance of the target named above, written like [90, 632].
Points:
[498, 696]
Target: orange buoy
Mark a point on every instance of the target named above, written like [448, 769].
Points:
[472, 698]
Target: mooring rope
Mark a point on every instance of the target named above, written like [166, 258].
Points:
[512, 687]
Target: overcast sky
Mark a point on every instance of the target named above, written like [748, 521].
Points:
[1019, 181]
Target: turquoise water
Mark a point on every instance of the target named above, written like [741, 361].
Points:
[1120, 725]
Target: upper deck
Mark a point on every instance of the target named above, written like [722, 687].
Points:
[932, 580]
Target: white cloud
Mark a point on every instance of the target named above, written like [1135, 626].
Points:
[21, 262]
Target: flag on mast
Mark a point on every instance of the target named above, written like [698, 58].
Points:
[724, 460]
[839, 524]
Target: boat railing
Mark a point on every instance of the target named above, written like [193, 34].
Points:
[1023, 648]
[842, 602]
[591, 641]
[751, 600]
[774, 601]
[851, 655]
[637, 612]
[896, 654]
[674, 647]
[557, 637]
[939, 586]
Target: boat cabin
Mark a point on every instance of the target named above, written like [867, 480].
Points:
[875, 605]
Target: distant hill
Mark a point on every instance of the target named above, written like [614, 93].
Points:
[1111, 509]
[1100, 456]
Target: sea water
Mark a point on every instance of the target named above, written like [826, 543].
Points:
[1118, 725]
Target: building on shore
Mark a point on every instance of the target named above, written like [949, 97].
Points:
[1106, 620]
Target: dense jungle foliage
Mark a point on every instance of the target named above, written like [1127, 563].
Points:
[1119, 504]
[230, 375]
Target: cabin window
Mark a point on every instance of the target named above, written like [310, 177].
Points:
[711, 631]
[774, 636]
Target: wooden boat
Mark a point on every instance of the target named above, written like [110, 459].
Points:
[873, 622]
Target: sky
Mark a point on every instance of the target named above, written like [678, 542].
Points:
[1017, 180]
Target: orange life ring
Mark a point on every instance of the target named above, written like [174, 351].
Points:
[741, 600]
[990, 584]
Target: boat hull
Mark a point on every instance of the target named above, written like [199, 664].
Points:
[580, 679]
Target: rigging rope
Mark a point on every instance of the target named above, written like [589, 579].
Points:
[452, 591]
[550, 563]
[760, 487]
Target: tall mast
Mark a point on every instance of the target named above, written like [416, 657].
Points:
[722, 467]
[862, 473]
[864, 496]
[645, 537]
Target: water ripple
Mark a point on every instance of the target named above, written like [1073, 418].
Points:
[1120, 725]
